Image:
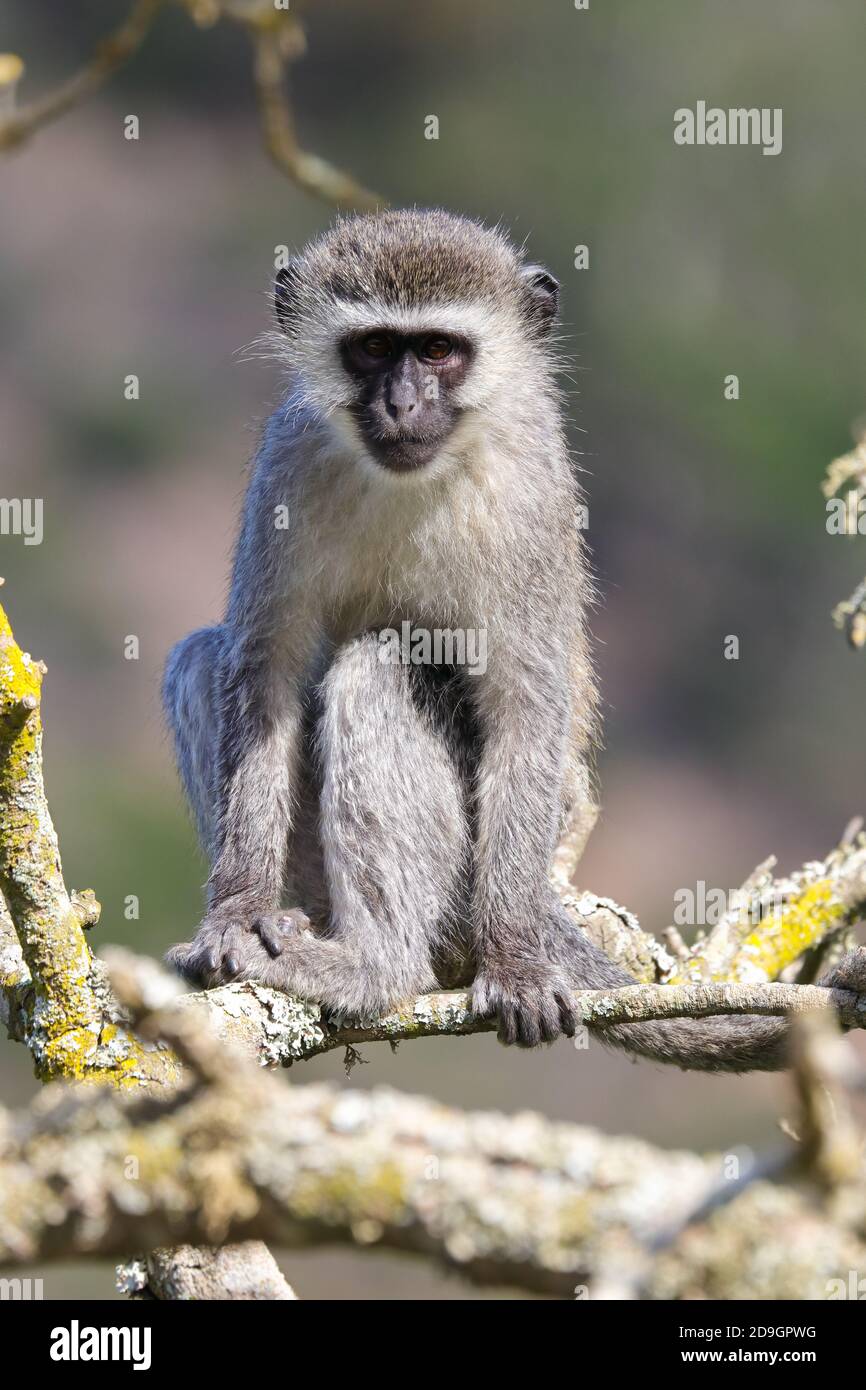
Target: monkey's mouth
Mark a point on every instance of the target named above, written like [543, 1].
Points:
[401, 450]
[405, 445]
[406, 453]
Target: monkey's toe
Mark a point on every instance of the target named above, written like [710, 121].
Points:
[276, 929]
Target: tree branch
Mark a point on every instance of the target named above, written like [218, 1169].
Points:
[234, 1156]
[271, 54]
[246, 1272]
[51, 993]
[112, 53]
[283, 1030]
[773, 921]
[521, 1201]
[277, 38]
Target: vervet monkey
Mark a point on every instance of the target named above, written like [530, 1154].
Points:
[407, 814]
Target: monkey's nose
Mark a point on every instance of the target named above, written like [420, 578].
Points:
[402, 400]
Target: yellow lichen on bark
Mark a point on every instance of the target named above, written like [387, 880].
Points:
[765, 949]
[65, 1011]
[65, 1018]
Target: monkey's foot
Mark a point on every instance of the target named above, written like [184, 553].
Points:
[531, 1001]
[224, 948]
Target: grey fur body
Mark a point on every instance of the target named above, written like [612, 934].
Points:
[409, 813]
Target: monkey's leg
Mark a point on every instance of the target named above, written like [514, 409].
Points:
[735, 1043]
[394, 838]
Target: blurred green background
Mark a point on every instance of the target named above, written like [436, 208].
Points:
[706, 518]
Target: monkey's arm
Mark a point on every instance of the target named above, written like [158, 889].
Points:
[530, 954]
[249, 702]
[256, 752]
[256, 763]
[524, 710]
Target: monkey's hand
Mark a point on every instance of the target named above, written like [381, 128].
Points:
[227, 946]
[530, 998]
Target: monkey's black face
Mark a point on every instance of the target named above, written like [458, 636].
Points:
[405, 407]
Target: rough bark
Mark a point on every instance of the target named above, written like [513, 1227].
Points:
[194, 1273]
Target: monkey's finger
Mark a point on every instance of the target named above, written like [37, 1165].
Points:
[271, 935]
[231, 965]
[507, 1031]
[539, 1023]
[482, 1005]
[567, 1015]
[179, 958]
[191, 964]
[549, 1019]
[294, 919]
[529, 1026]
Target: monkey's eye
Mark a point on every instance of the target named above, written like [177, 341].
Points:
[377, 345]
[437, 347]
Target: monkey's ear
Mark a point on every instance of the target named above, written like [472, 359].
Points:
[541, 296]
[285, 291]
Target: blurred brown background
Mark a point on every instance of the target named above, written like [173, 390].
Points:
[706, 517]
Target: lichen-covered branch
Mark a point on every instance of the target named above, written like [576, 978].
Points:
[280, 1030]
[517, 1201]
[238, 1156]
[192, 1273]
[772, 922]
[507, 1201]
[50, 992]
[776, 920]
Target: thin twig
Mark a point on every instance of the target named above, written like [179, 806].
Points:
[112, 53]
[308, 171]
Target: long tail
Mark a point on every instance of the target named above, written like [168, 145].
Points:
[728, 1043]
